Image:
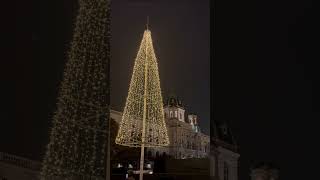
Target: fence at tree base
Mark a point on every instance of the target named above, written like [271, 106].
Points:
[166, 176]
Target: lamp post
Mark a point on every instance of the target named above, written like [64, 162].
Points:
[143, 123]
[108, 151]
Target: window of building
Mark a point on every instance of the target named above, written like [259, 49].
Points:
[176, 114]
[225, 171]
[171, 114]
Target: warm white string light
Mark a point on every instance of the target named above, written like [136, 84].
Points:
[78, 134]
[130, 130]
[143, 123]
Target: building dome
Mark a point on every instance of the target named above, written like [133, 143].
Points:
[173, 101]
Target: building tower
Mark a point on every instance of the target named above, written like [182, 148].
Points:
[193, 120]
[223, 152]
[173, 108]
[174, 113]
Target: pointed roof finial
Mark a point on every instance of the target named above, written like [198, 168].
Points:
[147, 22]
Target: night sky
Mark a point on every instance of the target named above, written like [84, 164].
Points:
[265, 80]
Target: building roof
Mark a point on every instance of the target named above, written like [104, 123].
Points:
[173, 101]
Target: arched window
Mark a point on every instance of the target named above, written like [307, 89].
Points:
[176, 114]
[171, 114]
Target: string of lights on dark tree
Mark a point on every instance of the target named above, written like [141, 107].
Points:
[78, 135]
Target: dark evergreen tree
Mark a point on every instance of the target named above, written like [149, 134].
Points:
[79, 131]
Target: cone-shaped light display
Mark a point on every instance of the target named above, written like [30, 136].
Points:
[143, 117]
[77, 145]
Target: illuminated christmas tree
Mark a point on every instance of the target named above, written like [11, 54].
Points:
[77, 145]
[143, 123]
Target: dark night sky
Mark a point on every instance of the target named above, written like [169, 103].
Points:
[181, 38]
[265, 80]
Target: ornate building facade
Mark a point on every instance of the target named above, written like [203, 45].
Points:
[224, 156]
[187, 141]
[186, 138]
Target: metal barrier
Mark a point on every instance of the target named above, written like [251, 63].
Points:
[18, 161]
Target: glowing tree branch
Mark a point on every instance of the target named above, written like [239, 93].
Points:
[143, 123]
[78, 135]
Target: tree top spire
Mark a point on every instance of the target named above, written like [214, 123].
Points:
[147, 23]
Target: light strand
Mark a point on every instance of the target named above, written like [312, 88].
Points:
[130, 129]
[78, 134]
